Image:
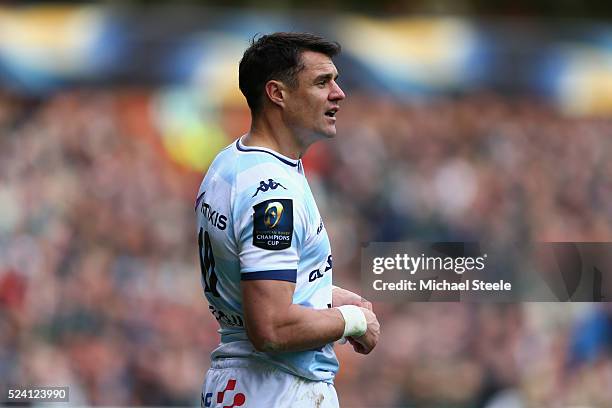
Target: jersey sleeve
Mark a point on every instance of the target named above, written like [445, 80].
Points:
[270, 226]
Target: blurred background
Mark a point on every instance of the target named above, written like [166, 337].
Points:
[464, 121]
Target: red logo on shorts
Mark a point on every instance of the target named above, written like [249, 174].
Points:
[239, 398]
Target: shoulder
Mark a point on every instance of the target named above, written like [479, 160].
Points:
[263, 173]
[224, 165]
[244, 167]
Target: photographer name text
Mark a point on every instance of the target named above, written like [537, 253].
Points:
[441, 285]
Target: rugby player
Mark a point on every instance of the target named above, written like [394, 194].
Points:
[264, 251]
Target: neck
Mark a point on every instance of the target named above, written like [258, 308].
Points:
[274, 135]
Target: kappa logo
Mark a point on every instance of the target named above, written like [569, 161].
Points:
[270, 185]
[239, 398]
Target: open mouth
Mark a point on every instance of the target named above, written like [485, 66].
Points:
[331, 113]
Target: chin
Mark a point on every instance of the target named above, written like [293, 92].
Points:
[321, 134]
[329, 133]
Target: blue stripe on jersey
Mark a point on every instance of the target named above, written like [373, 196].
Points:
[288, 275]
[197, 202]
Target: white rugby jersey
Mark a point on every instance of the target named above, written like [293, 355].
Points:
[257, 219]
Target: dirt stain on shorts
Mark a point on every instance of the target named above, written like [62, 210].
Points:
[319, 400]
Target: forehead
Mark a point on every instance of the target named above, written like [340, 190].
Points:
[316, 64]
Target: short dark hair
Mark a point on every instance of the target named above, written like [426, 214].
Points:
[277, 56]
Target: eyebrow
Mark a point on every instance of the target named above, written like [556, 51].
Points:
[325, 76]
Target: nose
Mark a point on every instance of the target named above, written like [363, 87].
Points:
[336, 93]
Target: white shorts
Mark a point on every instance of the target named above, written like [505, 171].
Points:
[246, 383]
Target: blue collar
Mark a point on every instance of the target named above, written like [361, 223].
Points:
[242, 148]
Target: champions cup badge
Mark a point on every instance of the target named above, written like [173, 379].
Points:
[273, 224]
[273, 214]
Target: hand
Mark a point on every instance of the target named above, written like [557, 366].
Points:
[342, 297]
[367, 342]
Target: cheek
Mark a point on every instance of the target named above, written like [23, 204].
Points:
[294, 108]
[306, 107]
[316, 104]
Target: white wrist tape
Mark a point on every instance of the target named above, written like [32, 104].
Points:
[355, 324]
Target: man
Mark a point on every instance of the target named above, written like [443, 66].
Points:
[265, 255]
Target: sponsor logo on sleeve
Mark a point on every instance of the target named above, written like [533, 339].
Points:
[273, 224]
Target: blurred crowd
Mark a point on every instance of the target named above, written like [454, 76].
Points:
[99, 279]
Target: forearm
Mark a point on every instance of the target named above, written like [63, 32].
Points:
[298, 328]
[275, 323]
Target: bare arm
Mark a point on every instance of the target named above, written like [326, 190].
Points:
[274, 323]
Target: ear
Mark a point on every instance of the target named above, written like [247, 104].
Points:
[276, 92]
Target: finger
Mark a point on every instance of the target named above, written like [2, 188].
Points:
[358, 348]
[363, 349]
